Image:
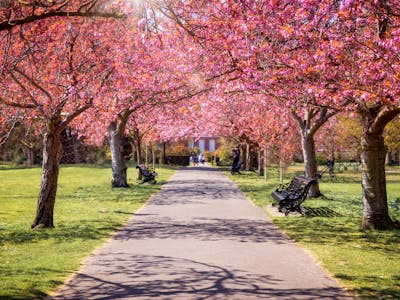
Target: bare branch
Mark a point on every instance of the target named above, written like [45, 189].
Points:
[5, 137]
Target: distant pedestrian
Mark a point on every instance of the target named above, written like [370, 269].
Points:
[330, 164]
[217, 160]
[236, 156]
[201, 158]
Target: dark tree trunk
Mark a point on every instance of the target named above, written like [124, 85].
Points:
[77, 155]
[164, 153]
[373, 153]
[134, 152]
[29, 151]
[153, 157]
[118, 164]
[139, 151]
[310, 162]
[137, 141]
[52, 150]
[248, 157]
[260, 170]
[146, 155]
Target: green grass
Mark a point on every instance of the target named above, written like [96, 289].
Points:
[87, 211]
[367, 263]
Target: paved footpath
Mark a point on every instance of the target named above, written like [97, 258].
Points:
[200, 238]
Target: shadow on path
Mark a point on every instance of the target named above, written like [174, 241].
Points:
[164, 277]
[238, 230]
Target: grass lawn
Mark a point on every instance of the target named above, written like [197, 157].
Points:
[366, 262]
[87, 212]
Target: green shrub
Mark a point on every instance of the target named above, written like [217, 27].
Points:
[225, 153]
[322, 159]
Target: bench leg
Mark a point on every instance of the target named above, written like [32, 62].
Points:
[301, 210]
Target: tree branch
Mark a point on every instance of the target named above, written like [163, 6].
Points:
[9, 24]
[73, 115]
[17, 104]
[382, 119]
[298, 119]
[36, 85]
[5, 137]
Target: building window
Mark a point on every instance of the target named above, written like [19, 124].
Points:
[191, 143]
[212, 145]
[201, 146]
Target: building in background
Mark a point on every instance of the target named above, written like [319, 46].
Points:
[203, 143]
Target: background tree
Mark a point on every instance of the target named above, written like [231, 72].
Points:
[392, 141]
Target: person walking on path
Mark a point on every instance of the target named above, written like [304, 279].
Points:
[200, 238]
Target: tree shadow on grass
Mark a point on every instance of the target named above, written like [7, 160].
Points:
[17, 167]
[87, 166]
[28, 295]
[325, 212]
[29, 290]
[87, 230]
[340, 231]
[138, 193]
[371, 293]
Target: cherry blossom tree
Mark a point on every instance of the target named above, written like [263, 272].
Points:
[52, 83]
[357, 63]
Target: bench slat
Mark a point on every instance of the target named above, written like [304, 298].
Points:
[146, 174]
[289, 197]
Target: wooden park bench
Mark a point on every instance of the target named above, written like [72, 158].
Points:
[290, 196]
[146, 175]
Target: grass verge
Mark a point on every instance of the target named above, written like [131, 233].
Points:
[87, 212]
[366, 262]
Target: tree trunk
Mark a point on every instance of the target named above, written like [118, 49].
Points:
[309, 124]
[375, 207]
[265, 163]
[397, 156]
[164, 153]
[153, 156]
[118, 164]
[242, 156]
[146, 151]
[29, 151]
[134, 153]
[52, 150]
[75, 146]
[259, 163]
[248, 157]
[30, 156]
[310, 162]
[139, 151]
